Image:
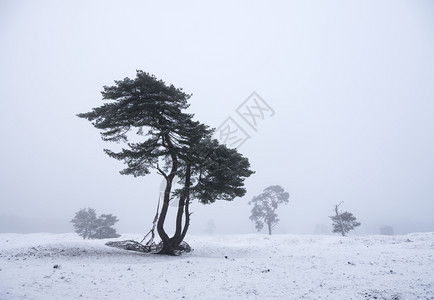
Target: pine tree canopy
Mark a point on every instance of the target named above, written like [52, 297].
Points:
[146, 104]
[150, 108]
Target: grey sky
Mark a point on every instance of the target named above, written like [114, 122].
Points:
[351, 84]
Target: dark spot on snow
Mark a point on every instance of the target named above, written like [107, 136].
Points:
[56, 267]
[226, 257]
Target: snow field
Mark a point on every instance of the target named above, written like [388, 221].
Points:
[63, 266]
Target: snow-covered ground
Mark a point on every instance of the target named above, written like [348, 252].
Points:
[220, 267]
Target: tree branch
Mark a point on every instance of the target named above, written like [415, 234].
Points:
[161, 172]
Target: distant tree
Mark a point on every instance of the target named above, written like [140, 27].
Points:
[104, 228]
[321, 229]
[265, 205]
[210, 227]
[386, 230]
[84, 222]
[343, 222]
[88, 226]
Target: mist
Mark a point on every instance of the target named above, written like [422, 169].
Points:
[349, 84]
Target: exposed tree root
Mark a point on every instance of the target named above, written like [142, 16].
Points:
[135, 246]
[131, 245]
[150, 246]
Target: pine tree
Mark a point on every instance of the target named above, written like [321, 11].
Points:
[265, 205]
[171, 143]
[87, 225]
[104, 228]
[84, 222]
[343, 222]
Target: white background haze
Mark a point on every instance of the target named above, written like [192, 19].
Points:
[351, 84]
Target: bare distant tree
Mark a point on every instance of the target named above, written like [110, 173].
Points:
[321, 229]
[265, 205]
[386, 230]
[210, 227]
[343, 222]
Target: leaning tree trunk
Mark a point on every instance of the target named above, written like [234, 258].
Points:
[187, 203]
[167, 248]
[184, 198]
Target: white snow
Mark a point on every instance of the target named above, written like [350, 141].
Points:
[220, 267]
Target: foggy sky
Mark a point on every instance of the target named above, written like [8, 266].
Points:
[351, 84]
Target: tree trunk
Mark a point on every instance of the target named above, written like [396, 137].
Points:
[160, 224]
[168, 247]
[186, 192]
[270, 212]
[180, 232]
[341, 225]
[177, 239]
